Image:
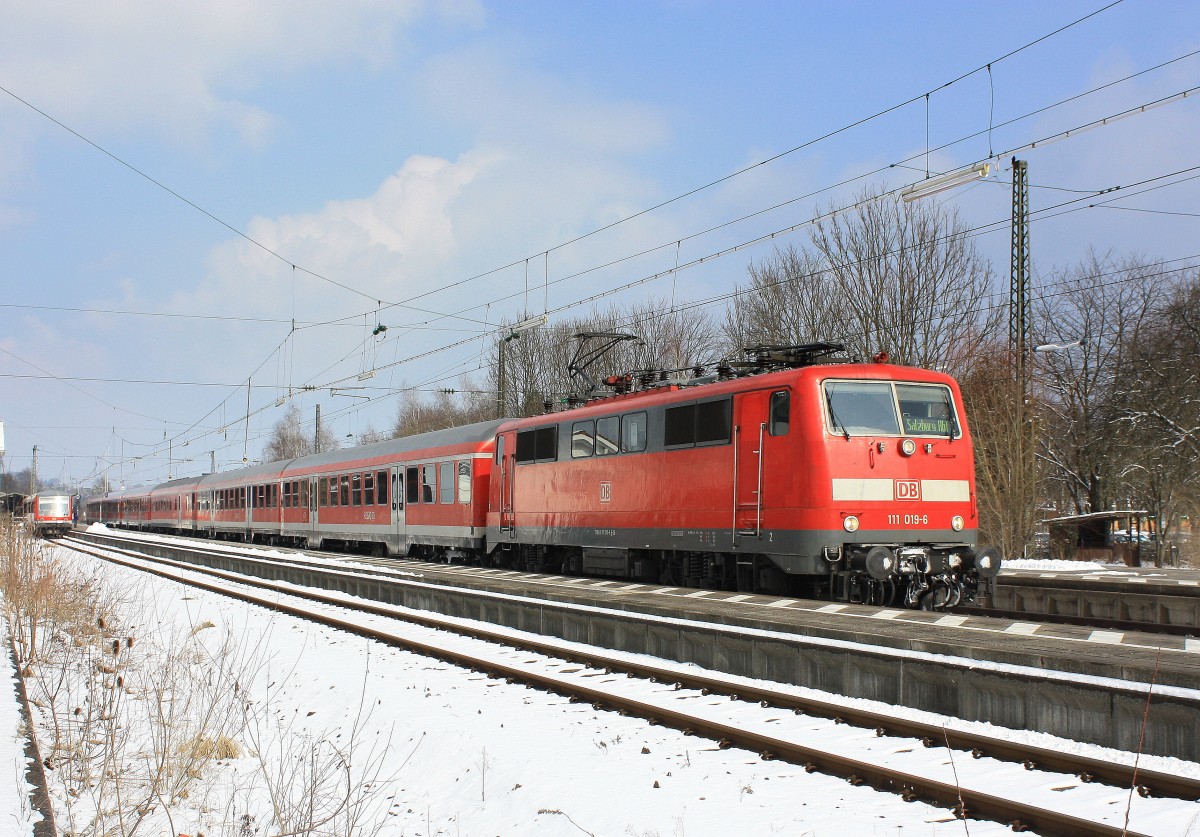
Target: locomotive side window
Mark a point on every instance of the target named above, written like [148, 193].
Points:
[414, 486]
[680, 426]
[446, 483]
[583, 440]
[526, 450]
[713, 421]
[547, 443]
[464, 481]
[781, 408]
[703, 423]
[861, 408]
[633, 432]
[927, 410]
[608, 431]
[539, 445]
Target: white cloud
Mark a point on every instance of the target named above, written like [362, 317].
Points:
[178, 67]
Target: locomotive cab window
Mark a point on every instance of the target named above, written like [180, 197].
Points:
[927, 410]
[781, 409]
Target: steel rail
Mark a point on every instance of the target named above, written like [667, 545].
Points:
[964, 802]
[1147, 782]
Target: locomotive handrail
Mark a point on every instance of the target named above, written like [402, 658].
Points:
[758, 501]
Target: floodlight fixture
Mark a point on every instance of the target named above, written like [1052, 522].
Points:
[945, 181]
[531, 323]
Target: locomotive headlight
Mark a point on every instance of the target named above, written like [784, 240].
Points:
[957, 523]
[908, 447]
[850, 524]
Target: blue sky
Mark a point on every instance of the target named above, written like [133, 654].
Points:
[398, 147]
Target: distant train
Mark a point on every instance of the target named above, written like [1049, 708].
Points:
[48, 515]
[849, 481]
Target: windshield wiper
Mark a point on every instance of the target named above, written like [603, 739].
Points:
[833, 415]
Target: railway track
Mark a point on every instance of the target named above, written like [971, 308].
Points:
[963, 801]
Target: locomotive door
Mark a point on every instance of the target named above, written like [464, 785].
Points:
[749, 439]
[506, 454]
[398, 530]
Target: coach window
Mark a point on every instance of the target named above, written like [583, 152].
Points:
[608, 432]
[356, 489]
[322, 492]
[428, 483]
[344, 495]
[464, 481]
[414, 486]
[633, 432]
[335, 492]
[304, 493]
[582, 439]
[381, 494]
[446, 483]
[368, 487]
[781, 409]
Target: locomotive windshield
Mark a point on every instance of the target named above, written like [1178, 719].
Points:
[52, 506]
[883, 408]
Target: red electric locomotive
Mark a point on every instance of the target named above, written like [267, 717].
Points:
[848, 481]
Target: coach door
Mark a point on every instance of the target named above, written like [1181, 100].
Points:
[397, 500]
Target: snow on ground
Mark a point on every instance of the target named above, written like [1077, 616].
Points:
[444, 751]
[1049, 565]
[16, 816]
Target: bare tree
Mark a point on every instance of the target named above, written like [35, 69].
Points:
[291, 438]
[883, 275]
[536, 361]
[1002, 469]
[1107, 304]
[1157, 413]
[448, 408]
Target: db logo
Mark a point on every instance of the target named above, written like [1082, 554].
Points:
[908, 489]
[605, 492]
